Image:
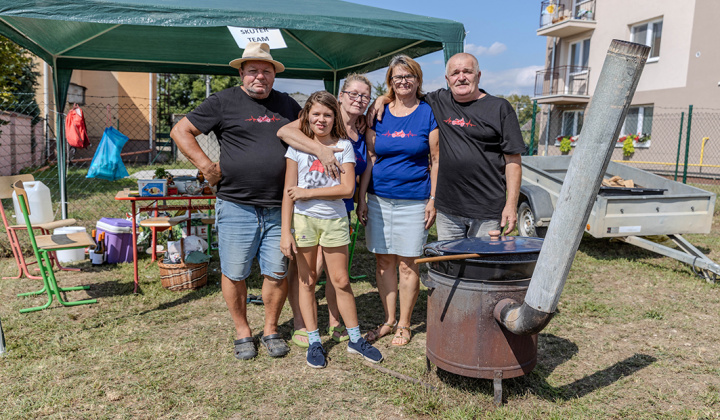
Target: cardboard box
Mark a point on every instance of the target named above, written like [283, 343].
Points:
[152, 187]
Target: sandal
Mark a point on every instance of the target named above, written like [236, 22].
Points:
[297, 341]
[399, 336]
[275, 345]
[245, 348]
[256, 299]
[374, 335]
[340, 330]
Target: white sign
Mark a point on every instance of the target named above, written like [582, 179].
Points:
[272, 37]
[629, 229]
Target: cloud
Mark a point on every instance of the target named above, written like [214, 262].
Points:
[506, 82]
[495, 49]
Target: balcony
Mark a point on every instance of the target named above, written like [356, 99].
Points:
[563, 20]
[562, 85]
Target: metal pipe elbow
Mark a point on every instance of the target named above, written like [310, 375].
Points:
[521, 319]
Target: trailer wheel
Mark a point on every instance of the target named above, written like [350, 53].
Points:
[526, 222]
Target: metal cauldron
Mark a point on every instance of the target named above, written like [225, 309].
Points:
[463, 336]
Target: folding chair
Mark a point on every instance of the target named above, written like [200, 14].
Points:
[43, 246]
[6, 183]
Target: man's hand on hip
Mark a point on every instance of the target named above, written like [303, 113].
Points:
[212, 173]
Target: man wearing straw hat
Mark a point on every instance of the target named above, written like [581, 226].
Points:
[249, 179]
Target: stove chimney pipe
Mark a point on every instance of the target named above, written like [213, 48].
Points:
[607, 110]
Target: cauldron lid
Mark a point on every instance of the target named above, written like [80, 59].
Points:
[484, 245]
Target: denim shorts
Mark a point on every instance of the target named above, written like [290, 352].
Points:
[451, 227]
[246, 232]
[395, 226]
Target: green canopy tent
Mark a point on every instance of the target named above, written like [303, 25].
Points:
[326, 39]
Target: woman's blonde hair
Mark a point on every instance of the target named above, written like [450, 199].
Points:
[411, 66]
[356, 77]
[324, 98]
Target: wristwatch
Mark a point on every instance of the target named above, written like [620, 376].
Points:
[432, 197]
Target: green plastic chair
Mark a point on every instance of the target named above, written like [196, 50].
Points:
[42, 246]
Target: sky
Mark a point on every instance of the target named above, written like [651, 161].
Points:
[501, 34]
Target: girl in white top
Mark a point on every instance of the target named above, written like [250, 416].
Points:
[320, 218]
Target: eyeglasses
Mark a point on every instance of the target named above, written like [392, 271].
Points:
[403, 78]
[357, 96]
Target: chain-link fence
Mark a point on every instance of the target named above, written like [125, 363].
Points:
[28, 145]
[664, 141]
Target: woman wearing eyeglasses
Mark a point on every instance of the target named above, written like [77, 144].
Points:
[400, 186]
[354, 99]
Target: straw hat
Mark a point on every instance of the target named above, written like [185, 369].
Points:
[256, 51]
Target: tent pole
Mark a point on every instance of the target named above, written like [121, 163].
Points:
[60, 141]
[60, 88]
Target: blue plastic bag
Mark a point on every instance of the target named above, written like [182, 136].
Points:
[107, 163]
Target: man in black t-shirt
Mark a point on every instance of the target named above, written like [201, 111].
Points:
[480, 144]
[250, 178]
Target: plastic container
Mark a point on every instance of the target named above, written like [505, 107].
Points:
[118, 239]
[39, 201]
[152, 187]
[70, 255]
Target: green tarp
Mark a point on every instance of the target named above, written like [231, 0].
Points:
[326, 39]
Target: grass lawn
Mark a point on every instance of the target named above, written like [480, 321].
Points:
[636, 336]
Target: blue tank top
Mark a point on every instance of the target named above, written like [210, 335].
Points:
[360, 165]
[401, 170]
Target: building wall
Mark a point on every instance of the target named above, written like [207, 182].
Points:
[679, 77]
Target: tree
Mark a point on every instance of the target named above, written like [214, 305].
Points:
[181, 93]
[18, 79]
[379, 89]
[522, 105]
[523, 108]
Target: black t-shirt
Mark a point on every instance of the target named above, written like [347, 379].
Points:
[474, 137]
[252, 157]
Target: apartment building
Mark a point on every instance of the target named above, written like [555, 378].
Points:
[683, 67]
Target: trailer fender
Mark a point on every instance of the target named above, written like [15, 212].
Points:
[539, 201]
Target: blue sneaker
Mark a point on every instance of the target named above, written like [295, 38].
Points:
[316, 356]
[366, 350]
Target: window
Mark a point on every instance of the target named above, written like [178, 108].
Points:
[579, 56]
[572, 122]
[638, 120]
[649, 34]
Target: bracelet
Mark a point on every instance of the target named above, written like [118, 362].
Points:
[432, 197]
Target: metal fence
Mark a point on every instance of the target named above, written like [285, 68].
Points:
[28, 145]
[683, 145]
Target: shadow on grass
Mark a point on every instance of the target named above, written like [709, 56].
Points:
[605, 249]
[553, 352]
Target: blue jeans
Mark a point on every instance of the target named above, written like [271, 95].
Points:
[451, 227]
[246, 232]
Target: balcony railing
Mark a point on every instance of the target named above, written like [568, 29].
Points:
[562, 80]
[556, 11]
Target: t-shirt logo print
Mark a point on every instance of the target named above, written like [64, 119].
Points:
[316, 177]
[400, 133]
[459, 121]
[263, 119]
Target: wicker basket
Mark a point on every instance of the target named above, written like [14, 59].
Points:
[183, 276]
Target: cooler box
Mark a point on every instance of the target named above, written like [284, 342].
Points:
[118, 239]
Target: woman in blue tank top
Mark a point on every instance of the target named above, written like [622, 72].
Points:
[400, 182]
